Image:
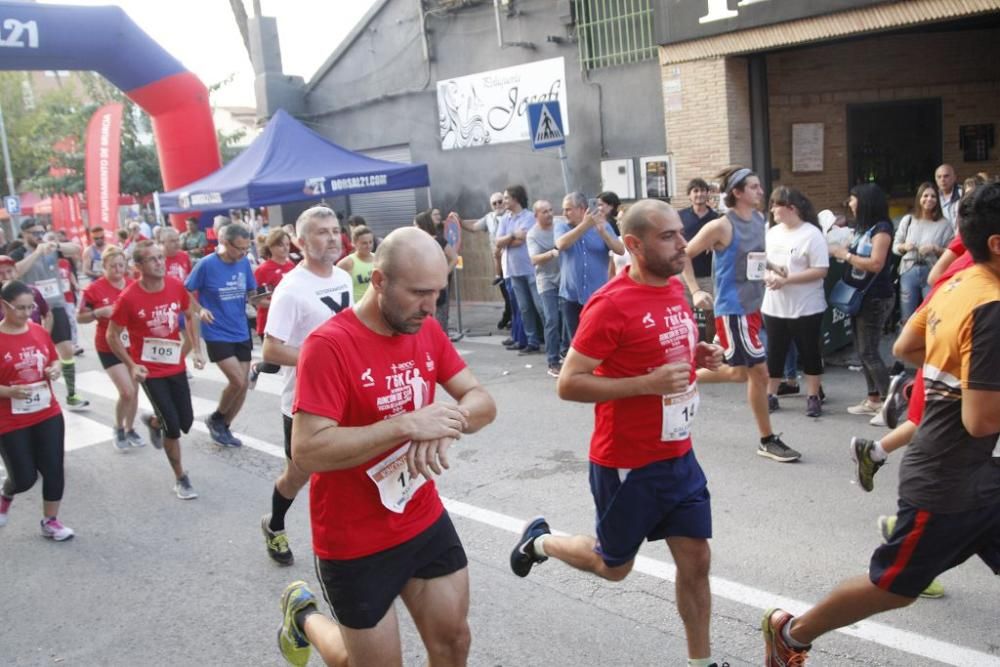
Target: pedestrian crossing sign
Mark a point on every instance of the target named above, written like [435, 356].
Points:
[545, 125]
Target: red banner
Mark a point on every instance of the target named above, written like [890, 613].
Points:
[102, 166]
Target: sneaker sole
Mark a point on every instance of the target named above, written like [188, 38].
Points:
[779, 459]
[58, 539]
[77, 408]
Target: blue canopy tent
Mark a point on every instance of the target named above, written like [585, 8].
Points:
[288, 162]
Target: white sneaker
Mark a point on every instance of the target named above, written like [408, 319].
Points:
[183, 488]
[877, 420]
[121, 442]
[54, 530]
[865, 407]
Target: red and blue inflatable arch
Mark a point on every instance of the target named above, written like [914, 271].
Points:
[107, 41]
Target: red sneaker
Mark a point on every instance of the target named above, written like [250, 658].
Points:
[777, 652]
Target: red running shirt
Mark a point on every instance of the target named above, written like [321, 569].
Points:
[99, 294]
[634, 329]
[152, 315]
[269, 274]
[178, 266]
[351, 374]
[66, 273]
[25, 357]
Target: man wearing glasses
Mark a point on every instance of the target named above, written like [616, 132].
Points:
[93, 268]
[489, 223]
[37, 265]
[220, 287]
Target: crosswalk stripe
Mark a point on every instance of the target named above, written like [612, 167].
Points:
[267, 383]
[83, 432]
[96, 383]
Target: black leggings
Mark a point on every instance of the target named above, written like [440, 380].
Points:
[171, 400]
[32, 450]
[806, 333]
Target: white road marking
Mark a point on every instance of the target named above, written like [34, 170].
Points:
[267, 383]
[95, 382]
[83, 432]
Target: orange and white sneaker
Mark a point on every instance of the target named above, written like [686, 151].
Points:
[777, 652]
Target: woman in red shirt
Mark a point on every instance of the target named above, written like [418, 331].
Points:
[97, 303]
[276, 264]
[31, 423]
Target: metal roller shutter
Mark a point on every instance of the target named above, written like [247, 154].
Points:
[386, 211]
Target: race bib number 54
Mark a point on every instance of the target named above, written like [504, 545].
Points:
[40, 399]
[395, 487]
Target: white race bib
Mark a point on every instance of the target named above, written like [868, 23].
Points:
[678, 414]
[124, 338]
[49, 288]
[40, 399]
[395, 487]
[161, 350]
[756, 265]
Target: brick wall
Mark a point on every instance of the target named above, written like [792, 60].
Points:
[707, 115]
[815, 84]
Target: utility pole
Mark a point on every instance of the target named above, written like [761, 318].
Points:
[14, 219]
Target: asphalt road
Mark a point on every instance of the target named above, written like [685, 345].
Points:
[153, 580]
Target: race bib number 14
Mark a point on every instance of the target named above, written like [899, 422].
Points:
[395, 487]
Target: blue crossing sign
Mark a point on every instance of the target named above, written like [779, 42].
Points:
[545, 124]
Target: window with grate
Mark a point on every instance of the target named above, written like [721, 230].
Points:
[614, 32]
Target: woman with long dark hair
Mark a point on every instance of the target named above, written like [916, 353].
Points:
[868, 267]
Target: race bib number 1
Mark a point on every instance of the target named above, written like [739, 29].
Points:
[395, 487]
[756, 265]
[678, 414]
[161, 350]
[40, 399]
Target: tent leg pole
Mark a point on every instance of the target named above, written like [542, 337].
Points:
[458, 306]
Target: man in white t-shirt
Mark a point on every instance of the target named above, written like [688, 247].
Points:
[308, 295]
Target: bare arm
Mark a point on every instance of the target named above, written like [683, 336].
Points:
[347, 264]
[981, 412]
[574, 233]
[911, 345]
[614, 244]
[29, 260]
[114, 339]
[69, 249]
[276, 351]
[544, 257]
[873, 264]
[577, 381]
[471, 396]
[940, 266]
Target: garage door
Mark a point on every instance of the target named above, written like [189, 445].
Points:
[386, 211]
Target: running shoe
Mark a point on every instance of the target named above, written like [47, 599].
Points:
[5, 504]
[292, 640]
[865, 466]
[217, 431]
[233, 440]
[121, 441]
[254, 374]
[814, 406]
[777, 652]
[155, 432]
[865, 407]
[877, 420]
[53, 529]
[530, 349]
[276, 542]
[896, 400]
[134, 439]
[787, 388]
[75, 403]
[774, 448]
[772, 403]
[886, 527]
[554, 370]
[523, 557]
[183, 488]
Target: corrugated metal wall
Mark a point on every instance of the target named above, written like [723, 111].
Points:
[386, 211]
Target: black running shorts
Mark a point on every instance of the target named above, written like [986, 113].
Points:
[171, 399]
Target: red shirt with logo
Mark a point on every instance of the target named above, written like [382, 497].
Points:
[152, 315]
[25, 357]
[269, 274]
[99, 294]
[634, 329]
[356, 377]
[178, 266]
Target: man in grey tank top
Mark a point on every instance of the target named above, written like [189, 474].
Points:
[737, 243]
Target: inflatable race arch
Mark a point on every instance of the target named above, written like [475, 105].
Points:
[107, 41]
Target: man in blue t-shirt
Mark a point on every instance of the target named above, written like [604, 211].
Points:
[220, 285]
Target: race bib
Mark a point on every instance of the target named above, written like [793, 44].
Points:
[678, 414]
[395, 487]
[756, 265]
[123, 336]
[40, 399]
[49, 288]
[161, 350]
